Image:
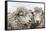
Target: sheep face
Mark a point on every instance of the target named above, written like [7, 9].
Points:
[38, 15]
[24, 14]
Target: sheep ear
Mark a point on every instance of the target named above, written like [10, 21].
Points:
[42, 13]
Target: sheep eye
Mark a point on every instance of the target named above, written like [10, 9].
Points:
[29, 21]
[18, 14]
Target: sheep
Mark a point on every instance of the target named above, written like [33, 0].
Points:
[20, 19]
[38, 17]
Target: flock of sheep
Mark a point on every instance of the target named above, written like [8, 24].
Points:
[22, 18]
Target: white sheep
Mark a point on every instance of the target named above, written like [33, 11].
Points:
[20, 19]
[38, 17]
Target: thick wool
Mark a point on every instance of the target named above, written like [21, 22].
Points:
[20, 19]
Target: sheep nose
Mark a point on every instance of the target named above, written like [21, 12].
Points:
[25, 24]
[37, 21]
